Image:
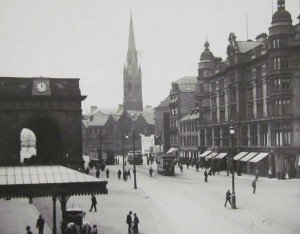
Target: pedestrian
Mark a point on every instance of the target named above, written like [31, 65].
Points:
[119, 174]
[197, 167]
[254, 185]
[228, 197]
[136, 221]
[205, 175]
[187, 165]
[87, 170]
[125, 175]
[181, 168]
[150, 171]
[98, 173]
[128, 173]
[107, 173]
[94, 203]
[40, 224]
[94, 229]
[256, 174]
[129, 221]
[28, 231]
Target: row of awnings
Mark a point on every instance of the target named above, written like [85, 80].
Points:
[253, 157]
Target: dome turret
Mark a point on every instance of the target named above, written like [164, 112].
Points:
[281, 16]
[206, 54]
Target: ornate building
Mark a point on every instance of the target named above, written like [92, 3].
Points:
[257, 90]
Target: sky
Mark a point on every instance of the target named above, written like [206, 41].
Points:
[88, 39]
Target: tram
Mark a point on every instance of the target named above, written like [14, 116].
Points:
[138, 157]
[165, 164]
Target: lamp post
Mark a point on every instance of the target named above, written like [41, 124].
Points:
[123, 151]
[134, 160]
[231, 133]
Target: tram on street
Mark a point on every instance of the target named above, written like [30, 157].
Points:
[138, 157]
[165, 163]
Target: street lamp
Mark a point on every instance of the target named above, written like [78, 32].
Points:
[231, 133]
[123, 139]
[134, 160]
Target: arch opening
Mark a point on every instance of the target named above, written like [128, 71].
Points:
[48, 142]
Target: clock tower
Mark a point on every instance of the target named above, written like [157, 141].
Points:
[132, 76]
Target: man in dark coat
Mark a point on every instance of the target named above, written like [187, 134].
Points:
[150, 171]
[205, 175]
[128, 173]
[98, 173]
[181, 168]
[40, 224]
[28, 231]
[228, 197]
[136, 221]
[107, 173]
[119, 174]
[94, 203]
[129, 221]
[254, 185]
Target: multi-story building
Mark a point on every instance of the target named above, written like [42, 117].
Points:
[256, 90]
[182, 95]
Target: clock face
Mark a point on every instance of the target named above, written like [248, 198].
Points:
[41, 87]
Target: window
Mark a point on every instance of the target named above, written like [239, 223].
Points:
[222, 115]
[233, 113]
[276, 64]
[217, 136]
[214, 102]
[286, 106]
[202, 137]
[249, 93]
[259, 91]
[253, 135]
[284, 63]
[188, 87]
[209, 137]
[264, 134]
[222, 100]
[233, 96]
[282, 134]
[244, 133]
[260, 112]
[250, 112]
[285, 84]
[264, 70]
[253, 73]
[214, 117]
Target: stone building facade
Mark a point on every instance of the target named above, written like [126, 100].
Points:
[256, 90]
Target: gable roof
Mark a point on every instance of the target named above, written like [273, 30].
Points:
[245, 46]
[98, 120]
[165, 103]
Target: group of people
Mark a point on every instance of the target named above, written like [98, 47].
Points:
[135, 227]
[40, 223]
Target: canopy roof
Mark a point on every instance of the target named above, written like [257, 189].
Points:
[171, 150]
[239, 155]
[205, 153]
[40, 181]
[248, 157]
[259, 157]
[221, 156]
[212, 155]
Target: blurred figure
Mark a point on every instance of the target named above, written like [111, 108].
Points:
[40, 224]
[228, 197]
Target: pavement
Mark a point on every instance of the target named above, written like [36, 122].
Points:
[16, 214]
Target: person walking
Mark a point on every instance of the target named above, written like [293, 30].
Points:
[94, 229]
[228, 197]
[107, 173]
[197, 167]
[150, 171]
[40, 224]
[136, 221]
[129, 221]
[28, 231]
[181, 168]
[254, 185]
[98, 173]
[87, 170]
[205, 175]
[119, 174]
[94, 203]
[128, 173]
[125, 175]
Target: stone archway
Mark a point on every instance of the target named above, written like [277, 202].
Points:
[48, 140]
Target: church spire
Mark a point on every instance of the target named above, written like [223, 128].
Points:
[131, 41]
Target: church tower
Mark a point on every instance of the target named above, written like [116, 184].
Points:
[132, 76]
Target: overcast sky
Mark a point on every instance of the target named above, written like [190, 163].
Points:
[88, 39]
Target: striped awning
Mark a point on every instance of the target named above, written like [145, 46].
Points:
[205, 153]
[240, 155]
[212, 155]
[221, 156]
[259, 157]
[248, 157]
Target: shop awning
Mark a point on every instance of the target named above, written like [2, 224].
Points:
[212, 155]
[240, 155]
[205, 153]
[248, 157]
[221, 156]
[259, 157]
[171, 150]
